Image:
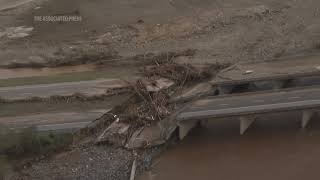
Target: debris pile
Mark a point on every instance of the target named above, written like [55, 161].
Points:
[179, 73]
[148, 105]
[137, 122]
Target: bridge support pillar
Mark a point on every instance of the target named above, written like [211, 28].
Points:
[204, 123]
[185, 127]
[278, 84]
[245, 123]
[225, 89]
[306, 117]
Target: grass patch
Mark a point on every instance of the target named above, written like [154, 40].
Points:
[34, 107]
[28, 143]
[71, 77]
[4, 167]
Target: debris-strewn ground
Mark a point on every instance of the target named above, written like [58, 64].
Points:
[90, 162]
[149, 104]
[97, 162]
[160, 36]
[104, 148]
[231, 30]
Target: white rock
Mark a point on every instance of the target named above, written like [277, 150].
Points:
[248, 72]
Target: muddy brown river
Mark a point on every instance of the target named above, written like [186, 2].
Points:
[274, 148]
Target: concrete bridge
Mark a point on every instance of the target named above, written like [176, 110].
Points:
[247, 106]
[288, 72]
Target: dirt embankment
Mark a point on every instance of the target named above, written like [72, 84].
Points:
[228, 31]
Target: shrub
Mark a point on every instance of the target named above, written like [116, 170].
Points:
[4, 167]
[28, 142]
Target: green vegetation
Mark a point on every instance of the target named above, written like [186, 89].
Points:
[70, 77]
[4, 166]
[29, 108]
[28, 143]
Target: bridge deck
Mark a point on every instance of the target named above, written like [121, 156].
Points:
[252, 103]
[290, 67]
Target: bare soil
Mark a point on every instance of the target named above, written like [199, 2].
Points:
[230, 30]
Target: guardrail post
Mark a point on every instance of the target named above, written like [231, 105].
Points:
[306, 117]
[245, 123]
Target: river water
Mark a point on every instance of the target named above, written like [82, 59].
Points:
[274, 148]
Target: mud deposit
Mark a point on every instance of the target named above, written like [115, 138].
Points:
[274, 148]
[30, 72]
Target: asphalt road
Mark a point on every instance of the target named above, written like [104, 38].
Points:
[53, 121]
[289, 67]
[225, 106]
[87, 88]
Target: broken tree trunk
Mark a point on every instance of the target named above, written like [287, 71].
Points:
[133, 170]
